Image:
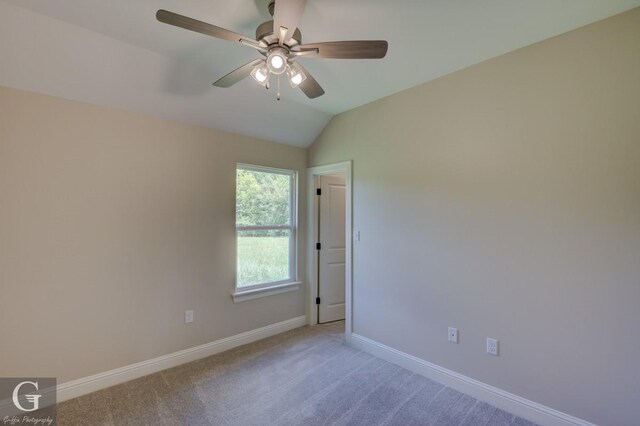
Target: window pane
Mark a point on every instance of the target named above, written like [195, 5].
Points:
[262, 198]
[263, 256]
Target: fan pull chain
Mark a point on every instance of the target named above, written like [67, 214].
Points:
[278, 87]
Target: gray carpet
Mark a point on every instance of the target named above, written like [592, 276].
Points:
[306, 376]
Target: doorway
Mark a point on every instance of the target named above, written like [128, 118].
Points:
[330, 245]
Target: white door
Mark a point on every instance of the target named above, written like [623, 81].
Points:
[331, 256]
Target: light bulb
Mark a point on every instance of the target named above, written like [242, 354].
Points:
[261, 74]
[296, 79]
[296, 75]
[277, 62]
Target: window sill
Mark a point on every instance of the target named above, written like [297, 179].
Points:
[244, 295]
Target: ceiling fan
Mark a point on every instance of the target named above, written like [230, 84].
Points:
[280, 42]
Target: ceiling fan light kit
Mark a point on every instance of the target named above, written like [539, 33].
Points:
[280, 42]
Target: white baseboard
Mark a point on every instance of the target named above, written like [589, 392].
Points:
[514, 404]
[99, 381]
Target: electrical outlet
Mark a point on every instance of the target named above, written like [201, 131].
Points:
[492, 346]
[453, 335]
[188, 317]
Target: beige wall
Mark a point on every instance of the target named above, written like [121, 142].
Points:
[112, 224]
[504, 200]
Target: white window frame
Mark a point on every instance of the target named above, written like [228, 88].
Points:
[291, 283]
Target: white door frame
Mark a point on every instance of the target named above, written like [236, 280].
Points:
[312, 253]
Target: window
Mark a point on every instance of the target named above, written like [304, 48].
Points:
[265, 227]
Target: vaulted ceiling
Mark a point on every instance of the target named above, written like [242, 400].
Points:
[115, 53]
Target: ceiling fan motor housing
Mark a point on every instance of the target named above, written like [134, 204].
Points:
[265, 33]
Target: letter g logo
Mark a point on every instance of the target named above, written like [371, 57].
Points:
[31, 398]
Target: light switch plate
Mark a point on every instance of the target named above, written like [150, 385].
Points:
[188, 317]
[453, 335]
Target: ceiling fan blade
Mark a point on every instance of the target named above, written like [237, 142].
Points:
[203, 28]
[310, 86]
[287, 15]
[363, 49]
[238, 74]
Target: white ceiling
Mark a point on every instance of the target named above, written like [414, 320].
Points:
[115, 53]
